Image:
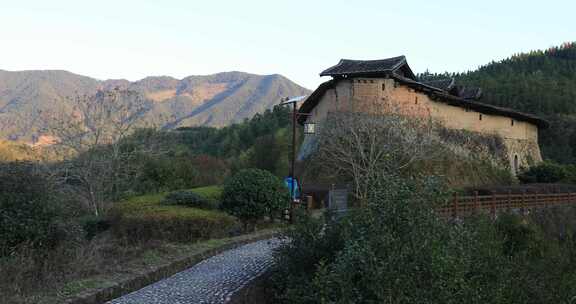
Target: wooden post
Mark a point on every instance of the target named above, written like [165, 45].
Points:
[493, 205]
[455, 206]
[476, 202]
[522, 202]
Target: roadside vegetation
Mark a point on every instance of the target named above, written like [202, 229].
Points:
[124, 196]
[52, 250]
[396, 250]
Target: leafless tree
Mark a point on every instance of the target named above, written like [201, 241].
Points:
[364, 147]
[102, 118]
[91, 136]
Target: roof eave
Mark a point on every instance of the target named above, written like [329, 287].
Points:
[478, 106]
[312, 101]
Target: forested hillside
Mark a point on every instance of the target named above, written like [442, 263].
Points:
[199, 156]
[538, 82]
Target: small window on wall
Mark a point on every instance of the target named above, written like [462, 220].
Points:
[480, 117]
[383, 86]
[512, 122]
[416, 100]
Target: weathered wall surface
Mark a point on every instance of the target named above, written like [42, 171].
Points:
[369, 95]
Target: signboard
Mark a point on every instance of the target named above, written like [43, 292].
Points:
[338, 201]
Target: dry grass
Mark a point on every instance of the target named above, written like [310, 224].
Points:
[29, 271]
[51, 277]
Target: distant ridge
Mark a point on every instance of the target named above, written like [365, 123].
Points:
[207, 100]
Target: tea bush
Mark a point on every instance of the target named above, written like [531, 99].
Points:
[189, 199]
[146, 218]
[211, 193]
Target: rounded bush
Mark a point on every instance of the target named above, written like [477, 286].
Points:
[189, 199]
[252, 194]
[546, 172]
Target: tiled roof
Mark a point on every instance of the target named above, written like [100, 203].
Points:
[458, 101]
[443, 84]
[365, 67]
[449, 85]
[469, 92]
[435, 93]
[443, 90]
[312, 100]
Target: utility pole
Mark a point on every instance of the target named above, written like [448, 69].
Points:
[293, 164]
[291, 174]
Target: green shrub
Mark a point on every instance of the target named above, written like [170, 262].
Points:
[520, 235]
[29, 208]
[396, 250]
[545, 172]
[252, 194]
[165, 173]
[570, 173]
[146, 218]
[94, 225]
[189, 199]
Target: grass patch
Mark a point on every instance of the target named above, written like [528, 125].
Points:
[79, 286]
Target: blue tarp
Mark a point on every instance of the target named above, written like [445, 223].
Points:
[288, 183]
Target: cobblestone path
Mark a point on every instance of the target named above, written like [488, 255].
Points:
[213, 280]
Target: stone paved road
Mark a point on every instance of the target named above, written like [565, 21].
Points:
[212, 281]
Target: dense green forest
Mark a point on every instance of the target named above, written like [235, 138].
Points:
[201, 156]
[538, 82]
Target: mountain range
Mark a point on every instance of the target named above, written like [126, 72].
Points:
[212, 100]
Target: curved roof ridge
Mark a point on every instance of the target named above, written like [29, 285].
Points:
[364, 67]
[445, 84]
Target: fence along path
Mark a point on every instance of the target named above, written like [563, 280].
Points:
[494, 203]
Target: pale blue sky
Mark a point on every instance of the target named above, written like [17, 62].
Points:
[134, 39]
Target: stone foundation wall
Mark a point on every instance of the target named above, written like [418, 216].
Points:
[522, 153]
